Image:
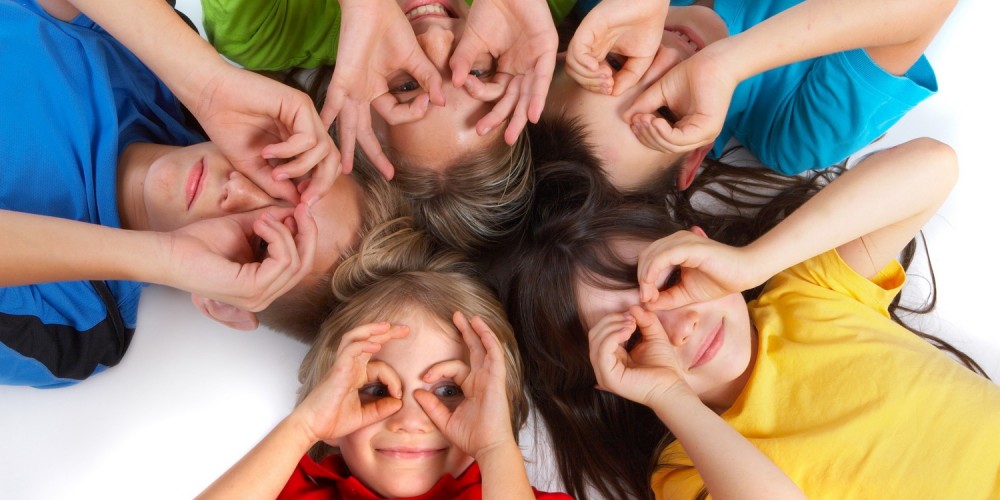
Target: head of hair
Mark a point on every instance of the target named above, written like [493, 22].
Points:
[398, 269]
[300, 312]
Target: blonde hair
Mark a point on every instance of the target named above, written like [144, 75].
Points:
[398, 268]
[475, 202]
[300, 312]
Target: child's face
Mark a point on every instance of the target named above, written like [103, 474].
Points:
[713, 340]
[628, 162]
[185, 185]
[405, 454]
[445, 134]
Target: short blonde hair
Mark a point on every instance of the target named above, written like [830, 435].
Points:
[475, 202]
[398, 268]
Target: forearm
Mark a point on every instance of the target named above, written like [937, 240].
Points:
[891, 193]
[815, 28]
[264, 471]
[39, 249]
[504, 476]
[730, 465]
[158, 36]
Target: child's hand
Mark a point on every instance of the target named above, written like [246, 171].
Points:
[481, 422]
[214, 258]
[334, 408]
[523, 37]
[631, 29]
[646, 374]
[707, 270]
[254, 119]
[697, 92]
[379, 43]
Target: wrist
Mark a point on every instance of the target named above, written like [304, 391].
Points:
[499, 451]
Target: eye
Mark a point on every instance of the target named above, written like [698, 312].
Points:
[258, 248]
[481, 73]
[404, 87]
[373, 392]
[673, 279]
[449, 391]
[633, 340]
[667, 115]
[616, 61]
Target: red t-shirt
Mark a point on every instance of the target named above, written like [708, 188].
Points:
[330, 479]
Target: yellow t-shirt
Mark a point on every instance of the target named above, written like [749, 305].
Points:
[850, 404]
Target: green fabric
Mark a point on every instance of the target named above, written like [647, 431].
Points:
[280, 34]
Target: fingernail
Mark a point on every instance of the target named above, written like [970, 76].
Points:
[312, 201]
[283, 176]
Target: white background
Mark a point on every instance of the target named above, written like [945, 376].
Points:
[191, 397]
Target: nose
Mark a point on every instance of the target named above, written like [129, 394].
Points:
[437, 43]
[410, 418]
[680, 325]
[240, 194]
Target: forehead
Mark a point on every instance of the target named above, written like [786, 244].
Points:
[431, 340]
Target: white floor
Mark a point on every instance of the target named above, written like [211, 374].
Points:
[191, 396]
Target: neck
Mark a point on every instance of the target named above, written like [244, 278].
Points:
[133, 164]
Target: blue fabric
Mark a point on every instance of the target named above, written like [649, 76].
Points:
[72, 99]
[813, 113]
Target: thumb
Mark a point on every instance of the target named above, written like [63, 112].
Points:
[630, 74]
[433, 407]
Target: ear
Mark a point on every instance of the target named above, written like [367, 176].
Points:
[231, 316]
[699, 231]
[690, 166]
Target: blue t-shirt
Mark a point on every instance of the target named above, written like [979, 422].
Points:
[814, 113]
[72, 99]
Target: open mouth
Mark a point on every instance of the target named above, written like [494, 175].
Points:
[686, 36]
[429, 9]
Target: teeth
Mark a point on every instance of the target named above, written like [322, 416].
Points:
[686, 39]
[433, 9]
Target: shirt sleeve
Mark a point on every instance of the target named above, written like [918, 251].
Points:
[272, 35]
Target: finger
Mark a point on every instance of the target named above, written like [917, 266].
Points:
[487, 91]
[501, 110]
[453, 369]
[648, 323]
[429, 77]
[489, 341]
[362, 332]
[436, 411]
[378, 371]
[466, 52]
[396, 113]
[477, 353]
[373, 151]
[645, 103]
[380, 409]
[347, 130]
[519, 118]
[539, 85]
[335, 98]
[630, 74]
[598, 82]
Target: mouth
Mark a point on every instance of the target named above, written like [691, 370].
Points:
[410, 453]
[195, 182]
[686, 36]
[709, 347]
[427, 8]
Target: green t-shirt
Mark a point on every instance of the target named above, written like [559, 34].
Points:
[274, 35]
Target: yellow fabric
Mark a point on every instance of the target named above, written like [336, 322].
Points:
[851, 405]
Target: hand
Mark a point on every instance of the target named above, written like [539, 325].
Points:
[254, 119]
[376, 41]
[214, 258]
[481, 422]
[697, 92]
[647, 373]
[334, 408]
[707, 270]
[523, 37]
[632, 29]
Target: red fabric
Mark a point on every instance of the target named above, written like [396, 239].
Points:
[330, 479]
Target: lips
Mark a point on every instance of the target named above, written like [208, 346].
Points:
[709, 347]
[686, 37]
[195, 182]
[426, 8]
[410, 453]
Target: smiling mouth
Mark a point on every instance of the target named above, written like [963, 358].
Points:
[409, 453]
[709, 348]
[428, 10]
[194, 182]
[685, 36]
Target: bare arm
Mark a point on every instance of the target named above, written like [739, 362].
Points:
[868, 214]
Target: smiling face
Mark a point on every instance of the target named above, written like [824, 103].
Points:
[405, 454]
[628, 162]
[176, 186]
[714, 340]
[446, 133]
